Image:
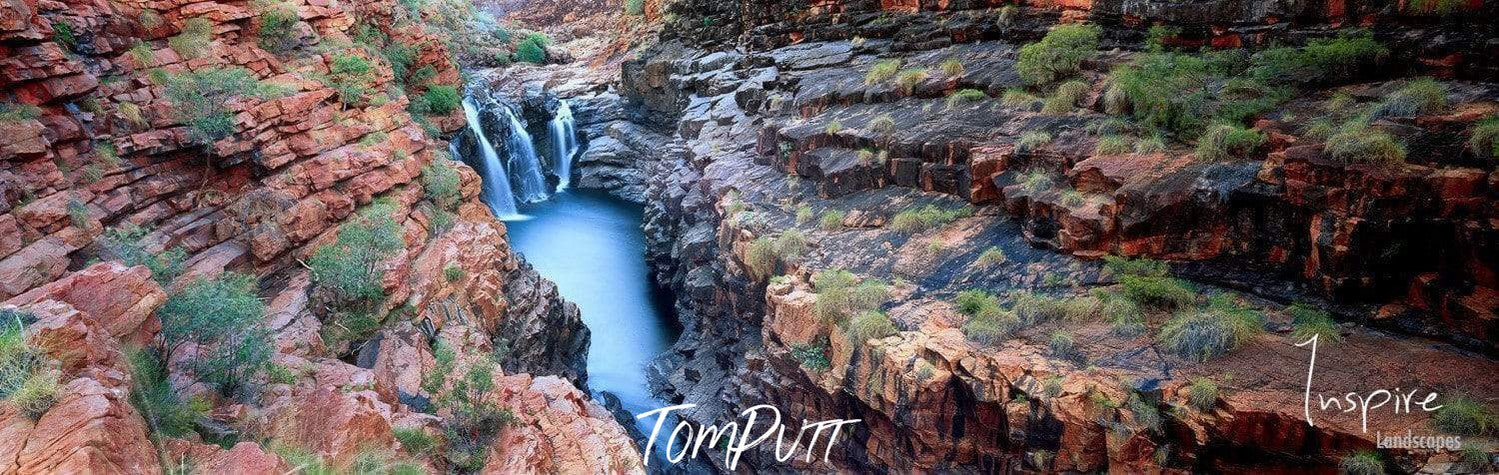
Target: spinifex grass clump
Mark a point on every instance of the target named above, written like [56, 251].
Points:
[870, 324]
[1206, 333]
[1146, 282]
[840, 295]
[1310, 321]
[988, 323]
[916, 220]
[1058, 54]
[1463, 416]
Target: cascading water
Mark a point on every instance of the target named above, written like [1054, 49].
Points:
[497, 193]
[524, 164]
[564, 144]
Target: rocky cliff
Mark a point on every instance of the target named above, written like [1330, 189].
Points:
[200, 139]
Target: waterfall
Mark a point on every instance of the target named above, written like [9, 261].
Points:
[564, 144]
[496, 191]
[524, 164]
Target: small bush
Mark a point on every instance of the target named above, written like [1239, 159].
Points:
[1484, 141]
[1124, 316]
[1031, 141]
[991, 325]
[812, 356]
[1363, 462]
[1463, 416]
[143, 54]
[1145, 413]
[196, 34]
[991, 257]
[441, 184]
[441, 99]
[1065, 98]
[951, 67]
[1112, 145]
[1160, 292]
[831, 220]
[62, 34]
[1202, 393]
[971, 302]
[1151, 144]
[278, 22]
[1311, 321]
[1356, 143]
[14, 112]
[838, 297]
[1228, 141]
[225, 314]
[414, 440]
[1058, 54]
[1320, 61]
[124, 242]
[1416, 97]
[634, 7]
[883, 125]
[198, 97]
[1036, 180]
[349, 272]
[908, 79]
[927, 217]
[870, 324]
[1032, 308]
[351, 75]
[833, 127]
[1061, 343]
[760, 258]
[882, 71]
[804, 214]
[1019, 99]
[453, 273]
[151, 394]
[532, 49]
[963, 96]
[1073, 199]
[1208, 333]
[36, 395]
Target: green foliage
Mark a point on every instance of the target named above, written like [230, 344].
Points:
[143, 54]
[1202, 393]
[475, 421]
[1321, 61]
[440, 184]
[453, 273]
[414, 440]
[908, 79]
[278, 22]
[1363, 462]
[1225, 141]
[833, 127]
[223, 314]
[804, 214]
[1065, 98]
[1058, 54]
[532, 48]
[350, 271]
[351, 75]
[1145, 412]
[1463, 416]
[963, 96]
[79, 214]
[882, 71]
[1356, 142]
[1164, 90]
[971, 302]
[812, 356]
[1484, 141]
[1152, 144]
[991, 257]
[1311, 321]
[883, 125]
[14, 112]
[1031, 141]
[760, 258]
[916, 220]
[1416, 97]
[1207, 333]
[1112, 145]
[1036, 180]
[951, 67]
[279, 374]
[36, 395]
[990, 324]
[1019, 99]
[634, 7]
[1061, 343]
[840, 295]
[831, 220]
[441, 99]
[195, 36]
[151, 393]
[198, 100]
[1033, 308]
[62, 34]
[19, 360]
[870, 324]
[1156, 36]
[1160, 292]
[124, 242]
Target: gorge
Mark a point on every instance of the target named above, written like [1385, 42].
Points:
[445, 236]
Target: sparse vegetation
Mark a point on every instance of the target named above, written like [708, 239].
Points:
[951, 67]
[1019, 99]
[62, 34]
[1358, 143]
[1311, 321]
[882, 71]
[441, 99]
[870, 324]
[964, 96]
[1202, 393]
[1031, 141]
[991, 257]
[1061, 343]
[414, 440]
[152, 395]
[883, 125]
[1322, 60]
[278, 20]
[635, 7]
[349, 273]
[1416, 97]
[532, 48]
[198, 99]
[1065, 98]
[1144, 411]
[224, 316]
[812, 356]
[831, 220]
[1226, 141]
[196, 34]
[924, 218]
[804, 214]
[124, 243]
[15, 112]
[1463, 416]
[1036, 180]
[1058, 54]
[474, 421]
[26, 380]
[833, 127]
[1112, 145]
[908, 79]
[840, 296]
[1073, 198]
[1202, 334]
[1484, 141]
[988, 323]
[1363, 462]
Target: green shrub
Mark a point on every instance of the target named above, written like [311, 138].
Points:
[916, 220]
[124, 242]
[198, 100]
[19, 360]
[1031, 141]
[1145, 412]
[963, 96]
[883, 125]
[532, 49]
[831, 220]
[1202, 393]
[1019, 99]
[474, 421]
[1112, 145]
[1032, 308]
[1463, 416]
[151, 393]
[1322, 60]
[225, 314]
[634, 7]
[833, 127]
[1036, 180]
[1311, 321]
[1156, 36]
[278, 21]
[991, 257]
[279, 374]
[1484, 141]
[908, 79]
[414, 440]
[870, 324]
[1207, 333]
[812, 356]
[441, 99]
[1152, 144]
[760, 258]
[804, 214]
[1124, 316]
[990, 325]
[349, 272]
[1065, 98]
[1227, 141]
[37, 394]
[1159, 292]
[951, 67]
[441, 187]
[839, 297]
[1416, 97]
[14, 112]
[971, 302]
[882, 71]
[62, 34]
[195, 36]
[1164, 90]
[1357, 143]
[453, 273]
[1363, 462]
[143, 54]
[1058, 54]
[1061, 343]
[351, 76]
